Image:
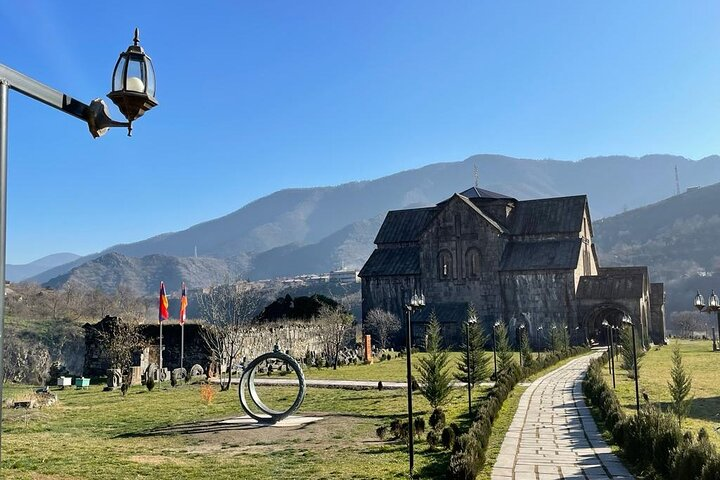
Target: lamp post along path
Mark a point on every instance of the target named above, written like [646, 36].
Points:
[416, 303]
[139, 98]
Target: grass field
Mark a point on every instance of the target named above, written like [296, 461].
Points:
[393, 370]
[700, 361]
[103, 435]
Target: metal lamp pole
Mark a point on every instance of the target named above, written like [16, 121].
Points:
[628, 320]
[471, 321]
[613, 348]
[416, 302]
[522, 332]
[495, 326]
[609, 349]
[133, 95]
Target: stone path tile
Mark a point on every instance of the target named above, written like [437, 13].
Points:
[553, 435]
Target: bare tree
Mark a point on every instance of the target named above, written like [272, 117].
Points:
[334, 329]
[685, 323]
[228, 312]
[383, 324]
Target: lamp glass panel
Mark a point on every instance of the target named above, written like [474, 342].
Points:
[119, 74]
[135, 75]
[699, 300]
[150, 82]
[713, 302]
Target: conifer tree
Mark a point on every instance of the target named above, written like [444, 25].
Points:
[502, 347]
[626, 350]
[679, 386]
[478, 362]
[525, 349]
[433, 369]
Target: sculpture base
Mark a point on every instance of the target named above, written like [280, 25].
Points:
[291, 421]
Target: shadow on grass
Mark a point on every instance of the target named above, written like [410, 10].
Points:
[197, 428]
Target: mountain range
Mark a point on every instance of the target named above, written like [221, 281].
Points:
[315, 230]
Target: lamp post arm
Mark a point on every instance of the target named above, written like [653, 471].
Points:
[95, 114]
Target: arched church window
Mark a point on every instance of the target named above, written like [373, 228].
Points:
[445, 266]
[472, 261]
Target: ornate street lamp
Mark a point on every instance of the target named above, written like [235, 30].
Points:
[713, 306]
[133, 83]
[416, 303]
[611, 348]
[628, 320]
[470, 321]
[495, 327]
[135, 65]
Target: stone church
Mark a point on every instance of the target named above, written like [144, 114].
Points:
[529, 262]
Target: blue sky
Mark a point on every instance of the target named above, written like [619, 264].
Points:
[259, 96]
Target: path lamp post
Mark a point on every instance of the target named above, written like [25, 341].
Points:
[613, 351]
[553, 337]
[541, 340]
[609, 349]
[713, 305]
[522, 332]
[470, 321]
[628, 320]
[133, 87]
[495, 326]
[416, 303]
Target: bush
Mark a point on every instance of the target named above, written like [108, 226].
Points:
[437, 419]
[419, 424]
[448, 438]
[691, 457]
[432, 439]
[381, 432]
[150, 384]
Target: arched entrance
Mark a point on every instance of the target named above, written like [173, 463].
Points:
[595, 331]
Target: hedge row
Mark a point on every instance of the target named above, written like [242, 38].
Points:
[652, 439]
[469, 451]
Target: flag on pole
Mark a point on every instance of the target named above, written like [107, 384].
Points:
[183, 305]
[163, 306]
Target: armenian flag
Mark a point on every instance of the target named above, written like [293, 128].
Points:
[183, 305]
[163, 304]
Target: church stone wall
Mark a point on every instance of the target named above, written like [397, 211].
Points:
[544, 299]
[457, 232]
[657, 313]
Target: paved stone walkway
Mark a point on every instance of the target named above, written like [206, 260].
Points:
[553, 435]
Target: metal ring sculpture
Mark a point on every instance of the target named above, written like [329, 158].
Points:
[248, 380]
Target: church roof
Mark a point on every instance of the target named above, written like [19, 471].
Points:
[404, 225]
[392, 261]
[599, 287]
[542, 255]
[477, 210]
[548, 215]
[475, 192]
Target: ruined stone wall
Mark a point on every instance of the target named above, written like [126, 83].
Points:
[297, 337]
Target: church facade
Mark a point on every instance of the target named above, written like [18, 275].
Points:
[530, 263]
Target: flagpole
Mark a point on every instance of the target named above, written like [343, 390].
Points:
[161, 368]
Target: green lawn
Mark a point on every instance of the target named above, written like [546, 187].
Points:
[101, 435]
[700, 361]
[393, 370]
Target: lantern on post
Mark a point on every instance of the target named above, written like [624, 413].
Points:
[133, 83]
